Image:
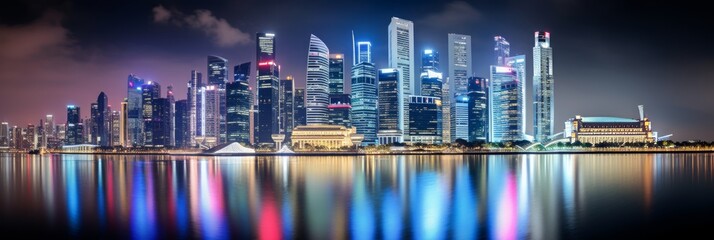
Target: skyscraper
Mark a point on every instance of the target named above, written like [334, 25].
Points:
[364, 101]
[287, 107]
[123, 128]
[390, 107]
[424, 119]
[364, 53]
[478, 109]
[210, 117]
[238, 102]
[504, 112]
[181, 121]
[194, 105]
[401, 57]
[543, 87]
[446, 111]
[5, 135]
[459, 62]
[337, 74]
[518, 63]
[502, 50]
[99, 128]
[74, 126]
[299, 113]
[115, 127]
[218, 75]
[430, 60]
[317, 88]
[338, 112]
[431, 84]
[172, 112]
[460, 117]
[135, 122]
[268, 90]
[150, 92]
[160, 132]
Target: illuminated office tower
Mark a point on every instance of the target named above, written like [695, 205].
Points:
[317, 88]
[502, 50]
[217, 75]
[505, 117]
[299, 112]
[123, 128]
[172, 112]
[391, 113]
[364, 53]
[543, 88]
[431, 83]
[181, 119]
[100, 117]
[364, 101]
[135, 121]
[115, 127]
[338, 112]
[460, 117]
[287, 107]
[74, 130]
[459, 62]
[478, 109]
[151, 91]
[430, 60]
[210, 118]
[446, 111]
[337, 74]
[518, 63]
[194, 106]
[268, 90]
[238, 103]
[5, 135]
[424, 120]
[401, 57]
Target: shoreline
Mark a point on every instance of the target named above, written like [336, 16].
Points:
[614, 151]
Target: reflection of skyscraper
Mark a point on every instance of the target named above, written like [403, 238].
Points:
[401, 57]
[478, 109]
[317, 82]
[364, 101]
[543, 87]
[505, 113]
[238, 105]
[135, 122]
[391, 113]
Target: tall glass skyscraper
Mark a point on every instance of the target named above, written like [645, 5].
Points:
[390, 107]
[338, 112]
[238, 105]
[518, 63]
[364, 53]
[218, 75]
[431, 84]
[99, 112]
[430, 60]
[194, 107]
[287, 107]
[424, 119]
[160, 123]
[478, 109]
[502, 50]
[268, 90]
[135, 121]
[181, 121]
[337, 74]
[401, 57]
[317, 81]
[364, 101]
[543, 88]
[299, 112]
[460, 116]
[460, 68]
[74, 130]
[151, 91]
[209, 96]
[505, 117]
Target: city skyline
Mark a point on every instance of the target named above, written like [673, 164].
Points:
[81, 48]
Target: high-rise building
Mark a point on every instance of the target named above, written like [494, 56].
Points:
[337, 74]
[287, 107]
[543, 88]
[502, 50]
[172, 112]
[210, 117]
[460, 118]
[115, 127]
[300, 110]
[160, 132]
[238, 103]
[459, 62]
[49, 131]
[401, 57]
[74, 126]
[266, 47]
[268, 102]
[135, 121]
[478, 109]
[5, 135]
[518, 63]
[446, 112]
[150, 92]
[123, 128]
[430, 60]
[505, 117]
[181, 119]
[194, 105]
[101, 134]
[338, 112]
[424, 119]
[391, 112]
[317, 88]
[431, 83]
[364, 53]
[364, 101]
[218, 76]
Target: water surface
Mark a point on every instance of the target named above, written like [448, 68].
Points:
[358, 197]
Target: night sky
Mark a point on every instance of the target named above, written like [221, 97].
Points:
[609, 57]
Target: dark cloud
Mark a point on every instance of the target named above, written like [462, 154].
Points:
[222, 33]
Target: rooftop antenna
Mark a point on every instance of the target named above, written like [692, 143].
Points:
[642, 111]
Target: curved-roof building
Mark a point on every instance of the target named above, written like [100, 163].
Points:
[608, 129]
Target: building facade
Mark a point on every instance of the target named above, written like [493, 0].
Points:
[151, 91]
[338, 112]
[238, 106]
[364, 101]
[194, 105]
[401, 57]
[324, 136]
[425, 120]
[182, 123]
[478, 109]
[287, 106]
[317, 88]
[337, 74]
[543, 88]
[299, 112]
[217, 72]
[608, 129]
[75, 129]
[390, 111]
[506, 123]
[135, 121]
[501, 50]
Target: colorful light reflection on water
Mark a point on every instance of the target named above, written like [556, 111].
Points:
[386, 197]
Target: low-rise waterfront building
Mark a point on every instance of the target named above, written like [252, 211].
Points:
[327, 136]
[608, 129]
